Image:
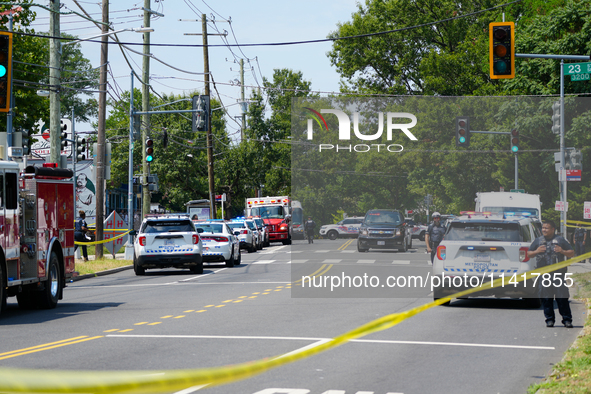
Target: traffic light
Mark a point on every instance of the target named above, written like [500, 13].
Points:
[80, 149]
[462, 131]
[514, 141]
[556, 117]
[149, 150]
[64, 134]
[5, 70]
[201, 114]
[26, 141]
[502, 50]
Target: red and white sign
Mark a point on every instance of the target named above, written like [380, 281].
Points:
[560, 206]
[573, 175]
[587, 210]
[114, 226]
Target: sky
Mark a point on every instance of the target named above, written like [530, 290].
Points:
[253, 22]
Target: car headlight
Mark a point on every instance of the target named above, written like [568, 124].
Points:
[363, 231]
[398, 232]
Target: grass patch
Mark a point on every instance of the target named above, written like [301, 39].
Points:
[94, 266]
[573, 373]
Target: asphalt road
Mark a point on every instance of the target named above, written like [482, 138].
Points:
[172, 319]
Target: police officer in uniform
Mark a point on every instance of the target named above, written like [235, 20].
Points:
[434, 235]
[80, 233]
[550, 249]
[579, 238]
[309, 226]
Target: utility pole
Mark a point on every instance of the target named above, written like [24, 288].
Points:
[100, 139]
[146, 198]
[243, 103]
[55, 53]
[209, 135]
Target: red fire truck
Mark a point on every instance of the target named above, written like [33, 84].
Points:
[36, 234]
[276, 212]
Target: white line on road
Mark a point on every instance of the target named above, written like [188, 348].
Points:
[366, 261]
[406, 262]
[331, 261]
[298, 261]
[264, 262]
[318, 341]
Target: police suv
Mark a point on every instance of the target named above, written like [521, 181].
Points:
[481, 246]
[169, 240]
[348, 227]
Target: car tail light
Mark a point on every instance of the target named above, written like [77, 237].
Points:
[523, 255]
[195, 239]
[221, 239]
[244, 232]
[441, 252]
[142, 241]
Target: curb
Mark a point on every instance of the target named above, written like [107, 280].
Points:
[101, 273]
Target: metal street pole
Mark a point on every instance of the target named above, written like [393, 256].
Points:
[100, 139]
[563, 213]
[242, 105]
[209, 135]
[54, 81]
[9, 115]
[146, 198]
[130, 213]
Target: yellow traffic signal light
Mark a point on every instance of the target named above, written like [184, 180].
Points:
[5, 70]
[502, 50]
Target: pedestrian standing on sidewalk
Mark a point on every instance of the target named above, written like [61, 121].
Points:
[434, 235]
[550, 249]
[80, 234]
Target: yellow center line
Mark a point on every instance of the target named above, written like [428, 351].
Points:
[346, 244]
[312, 274]
[48, 346]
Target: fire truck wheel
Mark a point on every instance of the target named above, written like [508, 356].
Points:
[25, 300]
[139, 271]
[48, 297]
[287, 242]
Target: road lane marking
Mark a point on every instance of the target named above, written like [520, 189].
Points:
[47, 346]
[318, 341]
[401, 262]
[264, 262]
[298, 261]
[366, 261]
[332, 261]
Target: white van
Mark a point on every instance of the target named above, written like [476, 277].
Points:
[509, 202]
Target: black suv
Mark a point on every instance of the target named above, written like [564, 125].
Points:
[383, 229]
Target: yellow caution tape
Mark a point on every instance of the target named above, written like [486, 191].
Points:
[104, 382]
[103, 241]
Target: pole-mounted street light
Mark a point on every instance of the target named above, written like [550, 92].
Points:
[135, 29]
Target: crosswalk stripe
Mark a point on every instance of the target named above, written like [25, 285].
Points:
[298, 261]
[366, 261]
[401, 262]
[331, 261]
[264, 262]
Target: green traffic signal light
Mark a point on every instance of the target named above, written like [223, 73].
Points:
[149, 150]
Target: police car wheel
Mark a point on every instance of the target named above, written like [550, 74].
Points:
[230, 262]
[197, 269]
[139, 271]
[332, 235]
[422, 236]
[444, 304]
[534, 303]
